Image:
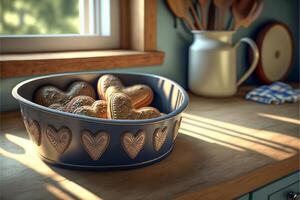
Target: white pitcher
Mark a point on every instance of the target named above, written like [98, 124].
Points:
[212, 63]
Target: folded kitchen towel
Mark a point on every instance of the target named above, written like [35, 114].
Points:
[276, 93]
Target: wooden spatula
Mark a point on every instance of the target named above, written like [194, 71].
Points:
[241, 10]
[222, 7]
[181, 10]
[203, 9]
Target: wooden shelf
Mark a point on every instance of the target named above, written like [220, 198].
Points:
[226, 148]
[14, 65]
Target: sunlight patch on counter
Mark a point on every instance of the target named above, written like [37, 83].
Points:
[280, 118]
[37, 165]
[206, 139]
[269, 136]
[235, 136]
[58, 192]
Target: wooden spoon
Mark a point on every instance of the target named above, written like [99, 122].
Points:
[211, 17]
[254, 14]
[222, 7]
[189, 6]
[203, 8]
[181, 10]
[241, 10]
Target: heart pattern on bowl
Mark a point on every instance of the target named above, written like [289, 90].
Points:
[34, 130]
[95, 144]
[59, 139]
[159, 137]
[133, 144]
[176, 128]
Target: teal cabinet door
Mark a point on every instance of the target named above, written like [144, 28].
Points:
[278, 190]
[244, 197]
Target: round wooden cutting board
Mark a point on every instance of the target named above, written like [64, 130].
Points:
[275, 45]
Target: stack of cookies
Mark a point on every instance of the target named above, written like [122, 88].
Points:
[116, 101]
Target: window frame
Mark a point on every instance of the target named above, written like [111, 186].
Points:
[91, 37]
[138, 48]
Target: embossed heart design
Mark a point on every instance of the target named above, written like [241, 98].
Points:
[60, 139]
[34, 130]
[95, 144]
[133, 144]
[141, 95]
[176, 128]
[159, 137]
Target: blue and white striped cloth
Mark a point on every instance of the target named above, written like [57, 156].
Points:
[276, 93]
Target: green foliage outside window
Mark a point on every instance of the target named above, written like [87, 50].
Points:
[21, 17]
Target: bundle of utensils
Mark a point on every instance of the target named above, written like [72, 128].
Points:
[212, 14]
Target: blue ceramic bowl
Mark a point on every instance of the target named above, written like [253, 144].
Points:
[77, 141]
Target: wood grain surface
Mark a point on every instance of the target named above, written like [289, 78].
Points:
[226, 148]
[14, 65]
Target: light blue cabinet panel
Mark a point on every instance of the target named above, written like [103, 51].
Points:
[244, 197]
[278, 190]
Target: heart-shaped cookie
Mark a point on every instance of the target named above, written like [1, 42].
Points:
[105, 81]
[120, 107]
[133, 144]
[95, 144]
[141, 95]
[159, 137]
[59, 139]
[48, 95]
[176, 128]
[57, 106]
[79, 101]
[97, 109]
[34, 130]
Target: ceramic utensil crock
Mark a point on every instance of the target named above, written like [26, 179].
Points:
[212, 63]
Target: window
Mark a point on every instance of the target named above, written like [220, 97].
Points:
[59, 25]
[137, 36]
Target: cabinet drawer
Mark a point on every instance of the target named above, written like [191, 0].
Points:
[278, 190]
[282, 194]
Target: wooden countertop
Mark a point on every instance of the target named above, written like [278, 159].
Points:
[226, 148]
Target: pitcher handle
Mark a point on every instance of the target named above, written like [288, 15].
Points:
[255, 58]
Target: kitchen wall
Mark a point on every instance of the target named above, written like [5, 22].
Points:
[175, 42]
[285, 11]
